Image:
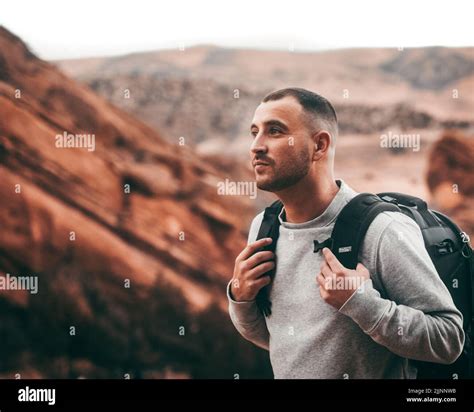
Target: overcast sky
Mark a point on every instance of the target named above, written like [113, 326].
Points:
[65, 29]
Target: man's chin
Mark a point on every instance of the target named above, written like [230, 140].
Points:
[265, 185]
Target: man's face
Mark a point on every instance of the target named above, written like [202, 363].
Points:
[282, 143]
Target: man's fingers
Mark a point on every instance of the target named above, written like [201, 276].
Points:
[332, 261]
[320, 279]
[259, 270]
[258, 258]
[326, 271]
[251, 248]
[261, 282]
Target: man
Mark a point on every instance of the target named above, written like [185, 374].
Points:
[392, 308]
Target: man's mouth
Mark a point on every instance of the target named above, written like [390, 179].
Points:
[260, 162]
[260, 166]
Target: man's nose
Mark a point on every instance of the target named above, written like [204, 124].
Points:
[258, 145]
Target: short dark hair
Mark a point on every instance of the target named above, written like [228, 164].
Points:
[320, 112]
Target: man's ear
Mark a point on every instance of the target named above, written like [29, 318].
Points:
[322, 144]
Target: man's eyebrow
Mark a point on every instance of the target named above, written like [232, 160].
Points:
[272, 122]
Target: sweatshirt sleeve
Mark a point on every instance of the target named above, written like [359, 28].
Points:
[246, 317]
[417, 319]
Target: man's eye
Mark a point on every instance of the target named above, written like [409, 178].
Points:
[253, 133]
[274, 130]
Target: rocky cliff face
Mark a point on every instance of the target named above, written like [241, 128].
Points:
[450, 177]
[129, 240]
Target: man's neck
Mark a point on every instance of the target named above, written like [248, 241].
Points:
[308, 198]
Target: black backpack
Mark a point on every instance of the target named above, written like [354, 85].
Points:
[447, 245]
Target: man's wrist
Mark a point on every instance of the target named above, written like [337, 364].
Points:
[232, 297]
[231, 294]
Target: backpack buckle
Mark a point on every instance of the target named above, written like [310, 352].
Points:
[445, 247]
[465, 237]
[466, 250]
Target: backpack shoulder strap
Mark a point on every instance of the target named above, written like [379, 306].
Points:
[270, 227]
[270, 221]
[352, 224]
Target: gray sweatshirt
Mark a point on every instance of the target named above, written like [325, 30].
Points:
[404, 311]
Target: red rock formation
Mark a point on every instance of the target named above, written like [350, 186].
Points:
[129, 204]
[450, 177]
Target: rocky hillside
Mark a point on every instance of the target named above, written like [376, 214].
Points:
[130, 241]
[208, 94]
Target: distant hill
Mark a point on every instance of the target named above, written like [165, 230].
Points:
[192, 93]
